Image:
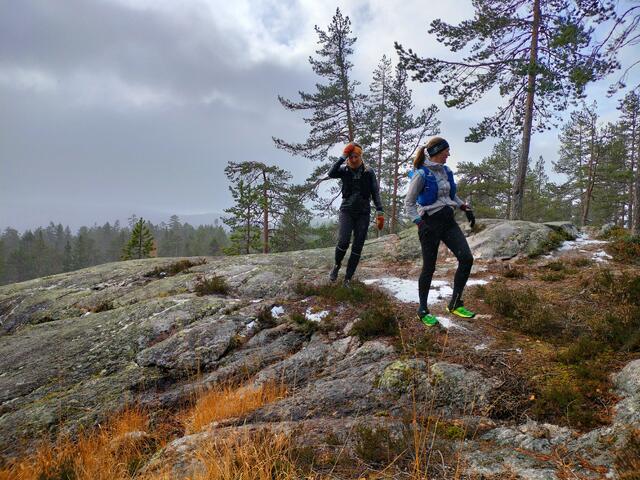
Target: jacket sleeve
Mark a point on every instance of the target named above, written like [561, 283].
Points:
[458, 201]
[335, 171]
[411, 199]
[375, 192]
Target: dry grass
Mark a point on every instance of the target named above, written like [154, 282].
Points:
[117, 450]
[111, 452]
[261, 456]
[229, 402]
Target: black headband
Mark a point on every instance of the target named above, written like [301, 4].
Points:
[437, 148]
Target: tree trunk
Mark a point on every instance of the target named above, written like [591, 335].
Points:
[518, 185]
[634, 206]
[265, 214]
[248, 230]
[380, 133]
[591, 174]
[396, 165]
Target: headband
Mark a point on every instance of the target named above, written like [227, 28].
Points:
[437, 148]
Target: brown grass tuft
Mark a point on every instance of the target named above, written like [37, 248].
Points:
[229, 402]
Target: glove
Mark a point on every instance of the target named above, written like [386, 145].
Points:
[417, 221]
[469, 213]
[380, 221]
[348, 150]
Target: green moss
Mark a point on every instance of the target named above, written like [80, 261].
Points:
[377, 447]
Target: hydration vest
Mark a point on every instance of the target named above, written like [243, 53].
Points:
[429, 193]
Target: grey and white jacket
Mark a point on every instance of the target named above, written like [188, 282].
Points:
[414, 211]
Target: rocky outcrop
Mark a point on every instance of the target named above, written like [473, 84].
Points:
[77, 346]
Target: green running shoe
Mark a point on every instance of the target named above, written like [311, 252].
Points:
[428, 319]
[461, 311]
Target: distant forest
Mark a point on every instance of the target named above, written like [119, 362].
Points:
[56, 249]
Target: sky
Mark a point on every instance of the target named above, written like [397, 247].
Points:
[115, 107]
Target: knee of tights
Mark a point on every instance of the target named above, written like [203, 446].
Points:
[466, 260]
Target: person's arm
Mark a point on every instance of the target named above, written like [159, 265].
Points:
[459, 202]
[410, 201]
[335, 171]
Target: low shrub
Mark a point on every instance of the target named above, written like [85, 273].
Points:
[103, 306]
[553, 241]
[512, 272]
[625, 249]
[581, 262]
[553, 276]
[378, 447]
[377, 320]
[174, 268]
[211, 285]
[522, 309]
[303, 324]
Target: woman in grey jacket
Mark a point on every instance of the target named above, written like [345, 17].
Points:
[430, 203]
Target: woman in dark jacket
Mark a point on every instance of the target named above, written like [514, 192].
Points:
[430, 203]
[359, 187]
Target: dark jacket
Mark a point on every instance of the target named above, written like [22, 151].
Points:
[359, 187]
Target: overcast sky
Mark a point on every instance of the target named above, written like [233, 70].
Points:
[114, 107]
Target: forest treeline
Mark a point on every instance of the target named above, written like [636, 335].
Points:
[56, 249]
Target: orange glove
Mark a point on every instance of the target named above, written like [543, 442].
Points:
[380, 222]
[348, 150]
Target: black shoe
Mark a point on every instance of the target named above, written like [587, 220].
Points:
[346, 283]
[333, 276]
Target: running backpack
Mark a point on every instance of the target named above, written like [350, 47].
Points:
[429, 193]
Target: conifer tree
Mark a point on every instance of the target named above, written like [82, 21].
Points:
[630, 126]
[406, 132]
[538, 53]
[294, 225]
[487, 185]
[140, 244]
[378, 109]
[258, 193]
[335, 108]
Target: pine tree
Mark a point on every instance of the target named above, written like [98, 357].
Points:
[405, 133]
[630, 126]
[487, 186]
[378, 110]
[141, 242]
[294, 225]
[335, 108]
[538, 53]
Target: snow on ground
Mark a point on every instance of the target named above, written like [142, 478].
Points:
[601, 256]
[277, 311]
[407, 290]
[482, 346]
[315, 316]
[579, 242]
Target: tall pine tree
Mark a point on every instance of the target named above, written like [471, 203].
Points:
[539, 54]
[335, 109]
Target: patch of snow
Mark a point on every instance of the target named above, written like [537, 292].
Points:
[479, 281]
[447, 323]
[407, 290]
[482, 346]
[317, 316]
[601, 256]
[578, 242]
[88, 313]
[257, 300]
[277, 311]
[519, 350]
[251, 325]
